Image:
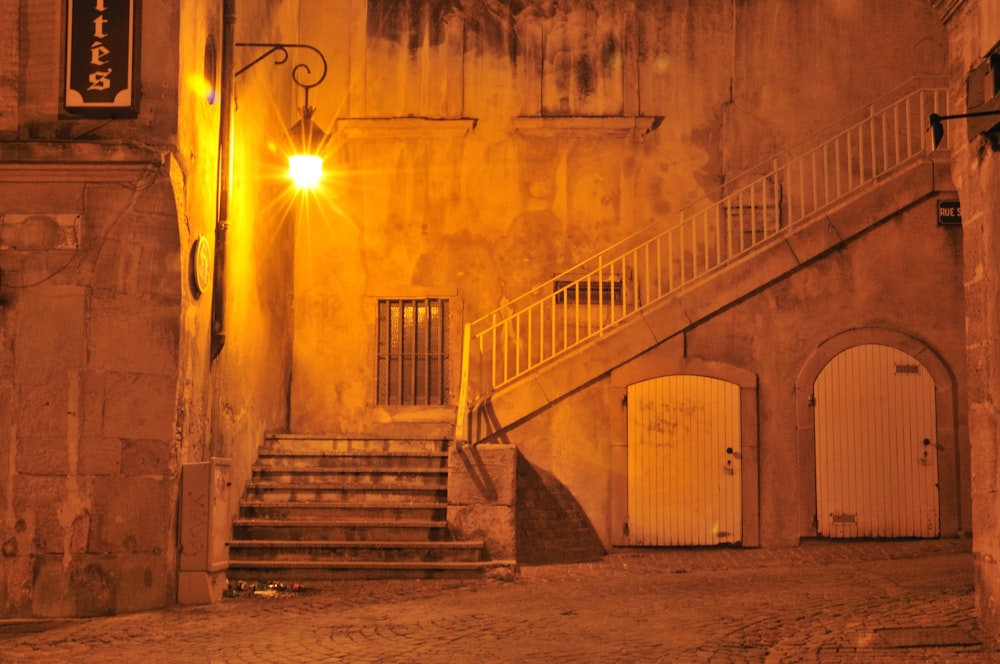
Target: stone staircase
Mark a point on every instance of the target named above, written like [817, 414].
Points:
[325, 509]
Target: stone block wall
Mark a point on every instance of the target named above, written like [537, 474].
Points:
[481, 497]
[89, 301]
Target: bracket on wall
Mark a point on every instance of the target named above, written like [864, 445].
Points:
[992, 134]
[302, 73]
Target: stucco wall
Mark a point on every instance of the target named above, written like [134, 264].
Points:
[476, 154]
[250, 376]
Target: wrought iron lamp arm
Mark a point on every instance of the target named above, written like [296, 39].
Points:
[302, 73]
[937, 128]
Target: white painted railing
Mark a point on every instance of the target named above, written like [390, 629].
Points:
[587, 300]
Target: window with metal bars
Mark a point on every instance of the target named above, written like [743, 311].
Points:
[413, 352]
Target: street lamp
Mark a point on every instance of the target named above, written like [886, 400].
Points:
[305, 165]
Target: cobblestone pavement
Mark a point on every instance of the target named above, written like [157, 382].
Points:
[909, 601]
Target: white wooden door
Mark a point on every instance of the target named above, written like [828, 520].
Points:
[684, 485]
[876, 457]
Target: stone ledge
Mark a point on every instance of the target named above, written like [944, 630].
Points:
[619, 125]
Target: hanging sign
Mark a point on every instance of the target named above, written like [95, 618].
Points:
[101, 38]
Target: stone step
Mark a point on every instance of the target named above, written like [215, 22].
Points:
[364, 476]
[337, 494]
[416, 461]
[337, 551]
[374, 511]
[320, 572]
[326, 509]
[348, 530]
[301, 444]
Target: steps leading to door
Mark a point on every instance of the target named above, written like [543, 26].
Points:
[324, 509]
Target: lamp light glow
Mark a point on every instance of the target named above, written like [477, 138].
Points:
[305, 164]
[305, 170]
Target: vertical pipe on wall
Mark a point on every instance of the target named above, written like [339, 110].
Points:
[223, 178]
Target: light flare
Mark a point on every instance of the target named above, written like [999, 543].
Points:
[305, 170]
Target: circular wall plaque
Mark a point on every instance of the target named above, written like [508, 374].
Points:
[201, 266]
[211, 70]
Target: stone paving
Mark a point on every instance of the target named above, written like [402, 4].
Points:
[908, 601]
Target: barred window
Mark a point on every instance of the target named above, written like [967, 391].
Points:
[413, 352]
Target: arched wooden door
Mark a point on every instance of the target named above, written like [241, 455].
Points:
[876, 453]
[684, 471]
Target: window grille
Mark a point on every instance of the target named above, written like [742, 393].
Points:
[413, 352]
[588, 292]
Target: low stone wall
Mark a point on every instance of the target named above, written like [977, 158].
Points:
[522, 514]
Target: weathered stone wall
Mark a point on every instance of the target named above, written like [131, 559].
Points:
[974, 29]
[91, 281]
[107, 385]
[91, 288]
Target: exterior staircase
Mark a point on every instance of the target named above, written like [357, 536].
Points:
[669, 276]
[332, 509]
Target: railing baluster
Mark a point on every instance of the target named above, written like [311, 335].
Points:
[908, 132]
[836, 169]
[895, 132]
[670, 259]
[806, 206]
[874, 150]
[815, 185]
[680, 242]
[718, 237]
[635, 279]
[850, 161]
[644, 289]
[659, 268]
[505, 351]
[706, 243]
[590, 307]
[553, 325]
[739, 212]
[885, 143]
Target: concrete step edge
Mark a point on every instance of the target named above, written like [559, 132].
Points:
[360, 564]
[368, 523]
[354, 544]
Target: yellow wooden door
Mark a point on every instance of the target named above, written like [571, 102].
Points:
[684, 486]
[876, 457]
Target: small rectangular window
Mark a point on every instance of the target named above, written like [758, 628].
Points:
[588, 292]
[413, 352]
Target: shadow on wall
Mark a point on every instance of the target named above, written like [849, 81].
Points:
[551, 525]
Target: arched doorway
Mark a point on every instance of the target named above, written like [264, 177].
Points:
[876, 445]
[684, 462]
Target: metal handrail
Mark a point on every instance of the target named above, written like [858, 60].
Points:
[584, 302]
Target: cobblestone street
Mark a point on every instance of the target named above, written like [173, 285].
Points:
[821, 602]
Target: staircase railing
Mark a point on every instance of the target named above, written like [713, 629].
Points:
[584, 302]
